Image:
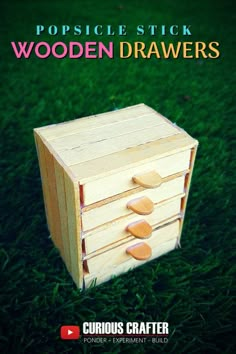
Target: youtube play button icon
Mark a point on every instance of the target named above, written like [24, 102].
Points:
[70, 332]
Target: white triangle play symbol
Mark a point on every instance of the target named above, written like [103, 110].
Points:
[69, 332]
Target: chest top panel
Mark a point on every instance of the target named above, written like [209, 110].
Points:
[102, 144]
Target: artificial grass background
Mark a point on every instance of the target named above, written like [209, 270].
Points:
[191, 288]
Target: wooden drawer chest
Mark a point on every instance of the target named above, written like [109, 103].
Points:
[115, 188]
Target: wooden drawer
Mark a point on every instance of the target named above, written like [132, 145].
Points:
[103, 275]
[117, 183]
[111, 181]
[105, 213]
[110, 259]
[116, 231]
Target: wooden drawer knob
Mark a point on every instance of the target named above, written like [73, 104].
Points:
[148, 180]
[140, 229]
[141, 206]
[140, 251]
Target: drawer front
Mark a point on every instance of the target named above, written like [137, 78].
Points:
[117, 183]
[117, 230]
[109, 260]
[104, 274]
[117, 209]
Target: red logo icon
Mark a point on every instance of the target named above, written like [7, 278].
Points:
[70, 332]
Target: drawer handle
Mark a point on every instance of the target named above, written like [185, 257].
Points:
[140, 229]
[140, 251]
[141, 206]
[148, 180]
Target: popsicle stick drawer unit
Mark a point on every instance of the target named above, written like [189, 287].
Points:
[115, 188]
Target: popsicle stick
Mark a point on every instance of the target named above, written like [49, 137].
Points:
[140, 229]
[148, 180]
[141, 206]
[140, 251]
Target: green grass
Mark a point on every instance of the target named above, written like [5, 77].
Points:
[191, 288]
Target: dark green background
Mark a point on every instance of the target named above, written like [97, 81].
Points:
[191, 288]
